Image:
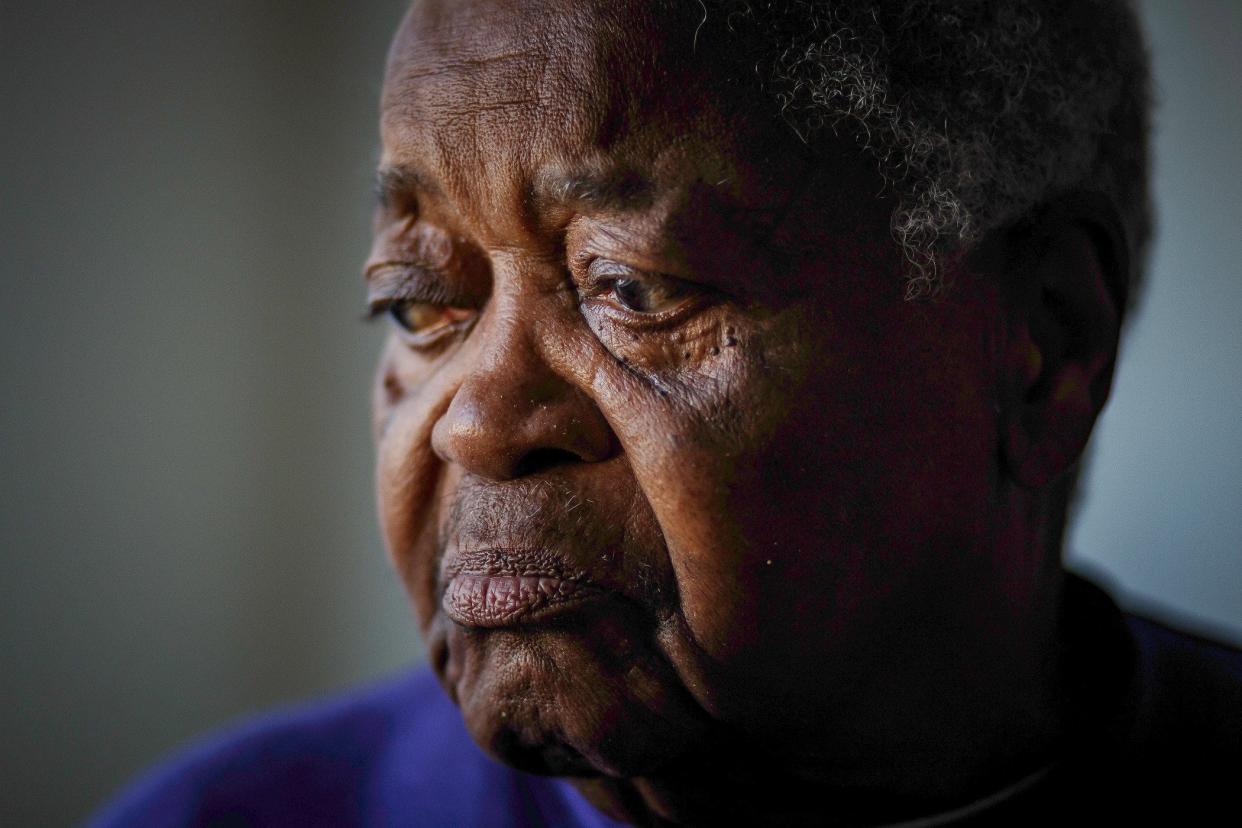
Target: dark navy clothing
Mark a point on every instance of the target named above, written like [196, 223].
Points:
[1154, 725]
[1156, 735]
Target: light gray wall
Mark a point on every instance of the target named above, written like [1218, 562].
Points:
[185, 486]
[187, 521]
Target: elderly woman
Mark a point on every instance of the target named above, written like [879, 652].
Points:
[742, 358]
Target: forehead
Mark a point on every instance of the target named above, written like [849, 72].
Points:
[478, 90]
[468, 64]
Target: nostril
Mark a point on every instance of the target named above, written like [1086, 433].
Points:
[542, 459]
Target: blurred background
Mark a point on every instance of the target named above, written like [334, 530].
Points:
[186, 518]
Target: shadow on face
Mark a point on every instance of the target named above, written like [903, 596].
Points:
[667, 463]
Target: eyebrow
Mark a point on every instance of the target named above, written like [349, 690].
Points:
[402, 180]
[614, 189]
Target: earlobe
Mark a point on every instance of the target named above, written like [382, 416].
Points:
[1065, 316]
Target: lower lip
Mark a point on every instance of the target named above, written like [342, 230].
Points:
[492, 601]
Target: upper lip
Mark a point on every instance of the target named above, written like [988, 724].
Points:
[507, 560]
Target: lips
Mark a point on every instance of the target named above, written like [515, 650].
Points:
[505, 600]
[509, 558]
[490, 588]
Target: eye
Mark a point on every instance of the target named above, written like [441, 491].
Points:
[425, 317]
[637, 291]
[647, 297]
[426, 305]
[426, 321]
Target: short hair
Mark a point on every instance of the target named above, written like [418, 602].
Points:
[975, 112]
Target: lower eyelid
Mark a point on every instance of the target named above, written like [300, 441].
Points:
[431, 339]
[652, 322]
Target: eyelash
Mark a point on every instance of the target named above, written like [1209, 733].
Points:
[405, 281]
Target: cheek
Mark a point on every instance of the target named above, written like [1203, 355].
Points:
[409, 399]
[800, 478]
[691, 412]
[699, 348]
[876, 482]
[897, 435]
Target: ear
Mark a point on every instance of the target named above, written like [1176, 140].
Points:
[1069, 267]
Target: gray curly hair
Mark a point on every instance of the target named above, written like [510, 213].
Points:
[975, 112]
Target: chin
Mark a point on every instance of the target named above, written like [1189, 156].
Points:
[583, 698]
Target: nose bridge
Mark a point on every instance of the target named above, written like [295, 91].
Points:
[513, 412]
[508, 363]
[511, 358]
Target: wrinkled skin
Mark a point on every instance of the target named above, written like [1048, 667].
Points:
[661, 358]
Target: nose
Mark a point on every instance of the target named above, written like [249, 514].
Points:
[513, 415]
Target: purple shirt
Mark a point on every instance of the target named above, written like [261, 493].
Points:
[1154, 737]
[394, 755]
